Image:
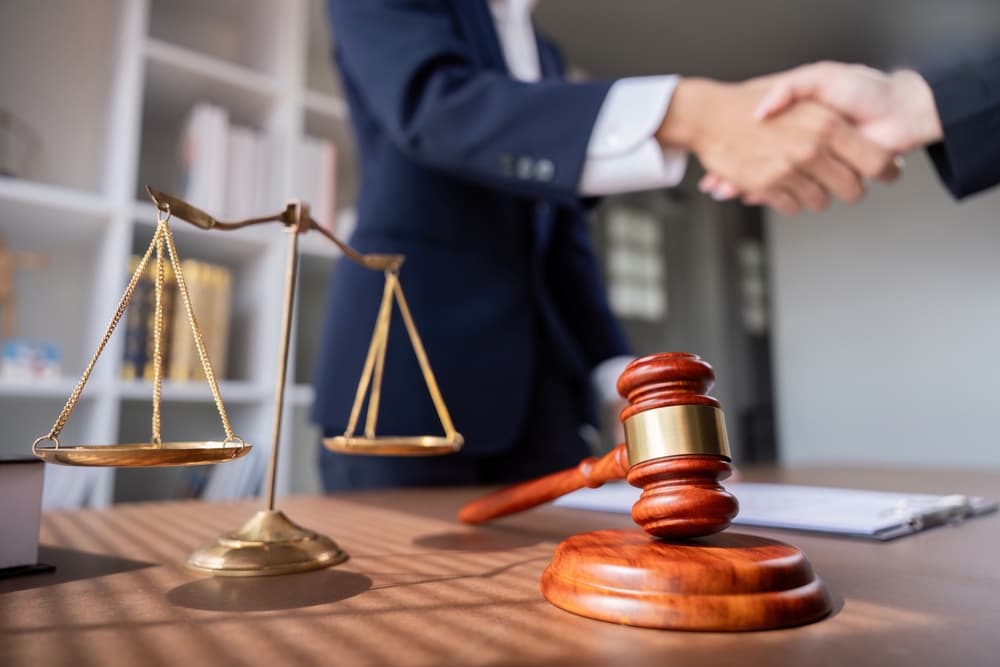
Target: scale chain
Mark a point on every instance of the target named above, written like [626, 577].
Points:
[379, 336]
[74, 397]
[425, 365]
[162, 236]
[158, 334]
[375, 363]
[198, 340]
[385, 320]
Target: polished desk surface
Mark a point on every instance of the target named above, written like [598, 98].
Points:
[421, 589]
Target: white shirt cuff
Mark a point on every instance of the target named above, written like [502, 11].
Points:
[604, 378]
[623, 154]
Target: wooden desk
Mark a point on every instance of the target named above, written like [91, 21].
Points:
[421, 589]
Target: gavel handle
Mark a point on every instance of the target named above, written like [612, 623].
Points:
[590, 472]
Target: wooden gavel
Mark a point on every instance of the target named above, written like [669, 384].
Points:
[675, 450]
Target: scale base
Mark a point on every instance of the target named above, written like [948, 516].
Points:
[269, 543]
[725, 582]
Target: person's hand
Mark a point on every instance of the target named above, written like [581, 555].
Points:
[896, 111]
[792, 161]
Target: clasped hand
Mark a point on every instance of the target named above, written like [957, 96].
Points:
[796, 139]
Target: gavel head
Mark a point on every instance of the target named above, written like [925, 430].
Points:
[678, 451]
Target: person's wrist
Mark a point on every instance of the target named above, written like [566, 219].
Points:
[683, 125]
[915, 101]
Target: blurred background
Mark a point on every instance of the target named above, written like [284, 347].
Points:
[863, 334]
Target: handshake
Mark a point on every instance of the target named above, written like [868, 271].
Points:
[795, 139]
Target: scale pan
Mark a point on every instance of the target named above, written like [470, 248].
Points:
[390, 445]
[145, 455]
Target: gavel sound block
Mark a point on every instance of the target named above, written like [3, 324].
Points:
[680, 574]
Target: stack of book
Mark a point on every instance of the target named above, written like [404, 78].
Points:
[227, 168]
[209, 287]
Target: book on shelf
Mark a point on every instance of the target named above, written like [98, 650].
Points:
[227, 168]
[203, 156]
[267, 154]
[140, 308]
[317, 179]
[168, 298]
[241, 173]
[213, 317]
[209, 287]
[182, 347]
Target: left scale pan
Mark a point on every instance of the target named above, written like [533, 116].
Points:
[155, 452]
[144, 455]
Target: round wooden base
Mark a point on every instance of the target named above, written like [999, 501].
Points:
[725, 582]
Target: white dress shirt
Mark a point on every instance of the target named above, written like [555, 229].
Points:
[623, 154]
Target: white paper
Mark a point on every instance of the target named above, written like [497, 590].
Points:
[878, 514]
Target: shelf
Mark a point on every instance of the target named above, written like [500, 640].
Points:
[316, 245]
[247, 33]
[312, 245]
[310, 313]
[330, 106]
[58, 388]
[26, 417]
[194, 392]
[33, 213]
[66, 230]
[57, 82]
[322, 124]
[104, 90]
[327, 117]
[320, 74]
[301, 395]
[176, 78]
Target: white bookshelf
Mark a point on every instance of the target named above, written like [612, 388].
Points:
[176, 77]
[331, 108]
[106, 86]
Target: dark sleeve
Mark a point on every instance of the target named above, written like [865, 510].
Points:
[967, 96]
[419, 78]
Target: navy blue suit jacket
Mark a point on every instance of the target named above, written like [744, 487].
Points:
[473, 176]
[967, 96]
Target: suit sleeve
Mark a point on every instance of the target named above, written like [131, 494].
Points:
[967, 96]
[419, 78]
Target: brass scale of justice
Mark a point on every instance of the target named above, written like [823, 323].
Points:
[686, 576]
[268, 543]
